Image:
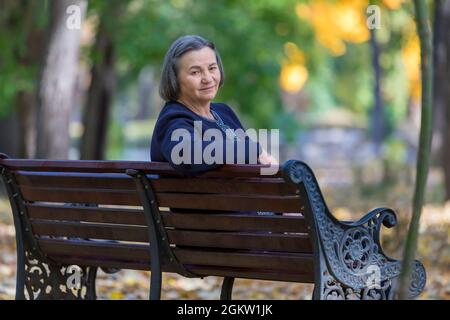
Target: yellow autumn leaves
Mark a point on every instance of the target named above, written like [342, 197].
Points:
[335, 23]
[411, 61]
[293, 70]
[393, 4]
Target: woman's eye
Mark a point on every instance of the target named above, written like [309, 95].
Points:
[194, 73]
[213, 68]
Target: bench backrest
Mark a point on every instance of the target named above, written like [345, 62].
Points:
[63, 206]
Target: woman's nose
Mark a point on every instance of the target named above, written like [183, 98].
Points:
[207, 78]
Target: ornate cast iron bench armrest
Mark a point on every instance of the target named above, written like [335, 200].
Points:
[352, 262]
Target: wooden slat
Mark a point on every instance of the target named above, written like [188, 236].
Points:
[96, 166]
[234, 240]
[298, 263]
[263, 186]
[234, 222]
[75, 180]
[163, 168]
[90, 231]
[247, 273]
[231, 202]
[105, 263]
[88, 214]
[98, 249]
[104, 196]
[108, 263]
[223, 186]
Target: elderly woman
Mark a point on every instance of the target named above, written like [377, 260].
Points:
[192, 74]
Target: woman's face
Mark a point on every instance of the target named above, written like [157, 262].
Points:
[198, 75]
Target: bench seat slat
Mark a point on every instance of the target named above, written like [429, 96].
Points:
[98, 196]
[233, 222]
[99, 262]
[299, 263]
[226, 202]
[300, 243]
[75, 180]
[88, 214]
[95, 253]
[101, 166]
[248, 273]
[83, 248]
[223, 186]
[90, 230]
[243, 273]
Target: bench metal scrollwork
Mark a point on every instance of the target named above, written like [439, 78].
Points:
[348, 251]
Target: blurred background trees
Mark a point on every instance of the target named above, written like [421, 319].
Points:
[103, 81]
[441, 93]
[22, 39]
[58, 76]
[311, 68]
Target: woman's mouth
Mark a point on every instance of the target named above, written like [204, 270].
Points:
[206, 89]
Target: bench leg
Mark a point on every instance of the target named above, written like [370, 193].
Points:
[38, 280]
[227, 288]
[155, 285]
[316, 292]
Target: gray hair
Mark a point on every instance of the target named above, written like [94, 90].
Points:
[169, 88]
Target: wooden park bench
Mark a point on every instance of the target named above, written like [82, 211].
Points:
[73, 217]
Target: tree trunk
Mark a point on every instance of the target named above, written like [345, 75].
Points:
[26, 100]
[439, 76]
[146, 85]
[99, 100]
[443, 95]
[101, 90]
[57, 84]
[441, 82]
[9, 135]
[423, 156]
[26, 111]
[19, 23]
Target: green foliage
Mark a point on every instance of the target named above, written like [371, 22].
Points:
[115, 140]
[354, 89]
[20, 25]
[395, 151]
[249, 35]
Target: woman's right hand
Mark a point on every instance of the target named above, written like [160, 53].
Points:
[267, 158]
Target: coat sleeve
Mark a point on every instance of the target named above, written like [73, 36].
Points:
[249, 143]
[172, 137]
